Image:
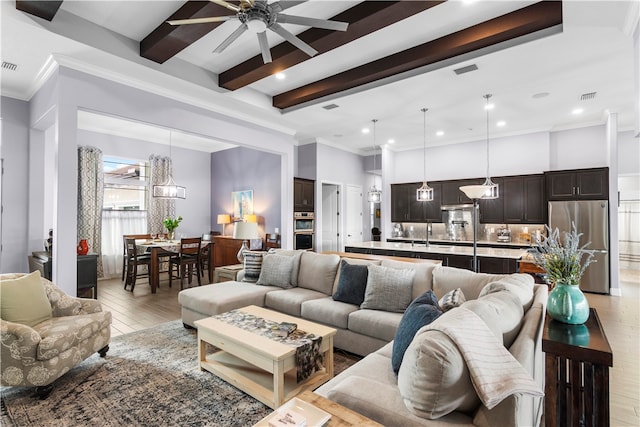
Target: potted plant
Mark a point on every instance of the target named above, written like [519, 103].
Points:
[171, 224]
[565, 263]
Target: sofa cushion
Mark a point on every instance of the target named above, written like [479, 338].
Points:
[276, 271]
[502, 312]
[59, 334]
[252, 266]
[24, 300]
[423, 279]
[328, 311]
[452, 299]
[351, 284]
[433, 378]
[375, 323]
[352, 261]
[388, 289]
[222, 297]
[318, 271]
[422, 311]
[289, 301]
[296, 254]
[446, 279]
[518, 284]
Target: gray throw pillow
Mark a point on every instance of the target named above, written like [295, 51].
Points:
[276, 271]
[452, 299]
[252, 266]
[388, 289]
[352, 283]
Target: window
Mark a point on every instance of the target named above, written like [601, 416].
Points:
[125, 184]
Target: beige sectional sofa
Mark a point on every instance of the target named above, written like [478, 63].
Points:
[433, 386]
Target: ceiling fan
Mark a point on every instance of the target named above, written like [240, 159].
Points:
[258, 16]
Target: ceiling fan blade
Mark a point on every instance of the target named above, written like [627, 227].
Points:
[201, 20]
[229, 6]
[264, 47]
[232, 37]
[294, 40]
[285, 4]
[312, 22]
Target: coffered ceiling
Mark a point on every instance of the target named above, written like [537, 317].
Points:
[540, 60]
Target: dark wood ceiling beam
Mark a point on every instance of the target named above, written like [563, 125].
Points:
[363, 19]
[42, 9]
[167, 40]
[522, 22]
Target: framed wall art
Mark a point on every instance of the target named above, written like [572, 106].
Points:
[242, 202]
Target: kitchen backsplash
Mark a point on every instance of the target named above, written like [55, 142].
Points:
[520, 233]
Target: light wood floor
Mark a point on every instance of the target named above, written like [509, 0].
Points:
[620, 317]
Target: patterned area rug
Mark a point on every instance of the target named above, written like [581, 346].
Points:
[149, 378]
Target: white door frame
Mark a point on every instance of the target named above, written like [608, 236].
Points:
[320, 210]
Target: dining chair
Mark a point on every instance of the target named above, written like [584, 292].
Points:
[186, 260]
[124, 249]
[133, 261]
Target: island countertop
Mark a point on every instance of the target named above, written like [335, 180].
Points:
[442, 249]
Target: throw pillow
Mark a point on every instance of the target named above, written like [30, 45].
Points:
[24, 300]
[352, 283]
[252, 266]
[422, 311]
[452, 299]
[388, 289]
[276, 271]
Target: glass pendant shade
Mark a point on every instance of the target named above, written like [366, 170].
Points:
[169, 190]
[424, 193]
[374, 194]
[491, 189]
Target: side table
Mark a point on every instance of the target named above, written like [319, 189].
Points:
[577, 361]
[226, 273]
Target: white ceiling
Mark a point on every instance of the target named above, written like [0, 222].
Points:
[594, 53]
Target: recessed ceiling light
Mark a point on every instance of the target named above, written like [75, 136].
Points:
[540, 95]
[577, 111]
[440, 133]
[280, 76]
[391, 141]
[501, 123]
[365, 130]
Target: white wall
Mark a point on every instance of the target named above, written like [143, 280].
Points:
[579, 148]
[628, 154]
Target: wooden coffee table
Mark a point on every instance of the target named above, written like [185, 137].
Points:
[262, 368]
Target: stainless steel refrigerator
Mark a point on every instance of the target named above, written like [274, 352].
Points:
[592, 220]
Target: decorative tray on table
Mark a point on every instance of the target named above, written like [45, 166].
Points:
[304, 414]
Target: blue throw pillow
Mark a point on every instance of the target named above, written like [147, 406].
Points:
[422, 311]
[352, 283]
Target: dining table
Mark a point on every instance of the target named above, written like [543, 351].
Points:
[159, 247]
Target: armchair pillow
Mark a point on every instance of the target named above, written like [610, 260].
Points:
[352, 283]
[388, 289]
[24, 300]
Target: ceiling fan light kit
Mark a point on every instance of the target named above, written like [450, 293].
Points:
[258, 16]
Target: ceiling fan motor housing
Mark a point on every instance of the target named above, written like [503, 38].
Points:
[258, 17]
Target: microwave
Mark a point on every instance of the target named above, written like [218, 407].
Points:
[303, 222]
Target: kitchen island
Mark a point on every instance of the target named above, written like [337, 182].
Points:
[490, 260]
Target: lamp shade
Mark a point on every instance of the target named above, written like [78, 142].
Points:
[169, 190]
[246, 230]
[474, 191]
[251, 218]
[224, 219]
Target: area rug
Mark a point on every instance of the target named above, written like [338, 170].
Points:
[149, 378]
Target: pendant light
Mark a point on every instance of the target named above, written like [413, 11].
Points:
[374, 195]
[491, 189]
[424, 193]
[169, 189]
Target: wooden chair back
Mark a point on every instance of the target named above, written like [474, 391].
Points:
[190, 246]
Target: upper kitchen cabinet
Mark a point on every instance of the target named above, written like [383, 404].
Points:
[524, 199]
[432, 211]
[451, 193]
[404, 206]
[303, 195]
[578, 184]
[491, 210]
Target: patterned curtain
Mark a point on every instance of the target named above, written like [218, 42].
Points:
[90, 195]
[159, 209]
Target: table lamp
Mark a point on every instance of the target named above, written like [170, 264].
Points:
[224, 219]
[245, 231]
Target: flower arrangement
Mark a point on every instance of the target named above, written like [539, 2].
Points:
[171, 224]
[563, 263]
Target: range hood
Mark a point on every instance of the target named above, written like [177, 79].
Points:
[456, 207]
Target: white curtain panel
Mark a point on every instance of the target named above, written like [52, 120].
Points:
[116, 224]
[629, 234]
[90, 196]
[159, 209]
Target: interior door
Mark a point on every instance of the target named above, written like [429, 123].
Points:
[330, 217]
[353, 214]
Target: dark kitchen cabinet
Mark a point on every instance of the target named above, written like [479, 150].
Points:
[524, 199]
[578, 184]
[432, 212]
[451, 193]
[303, 195]
[460, 261]
[86, 271]
[491, 210]
[404, 206]
[497, 265]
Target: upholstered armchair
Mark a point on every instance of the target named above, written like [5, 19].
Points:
[38, 354]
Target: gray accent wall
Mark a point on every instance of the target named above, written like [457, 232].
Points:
[239, 169]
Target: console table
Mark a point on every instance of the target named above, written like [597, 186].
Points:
[577, 361]
[87, 270]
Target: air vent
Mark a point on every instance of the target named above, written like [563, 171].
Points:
[330, 106]
[466, 69]
[588, 96]
[9, 66]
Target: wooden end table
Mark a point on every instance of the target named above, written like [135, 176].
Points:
[257, 365]
[577, 361]
[226, 273]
